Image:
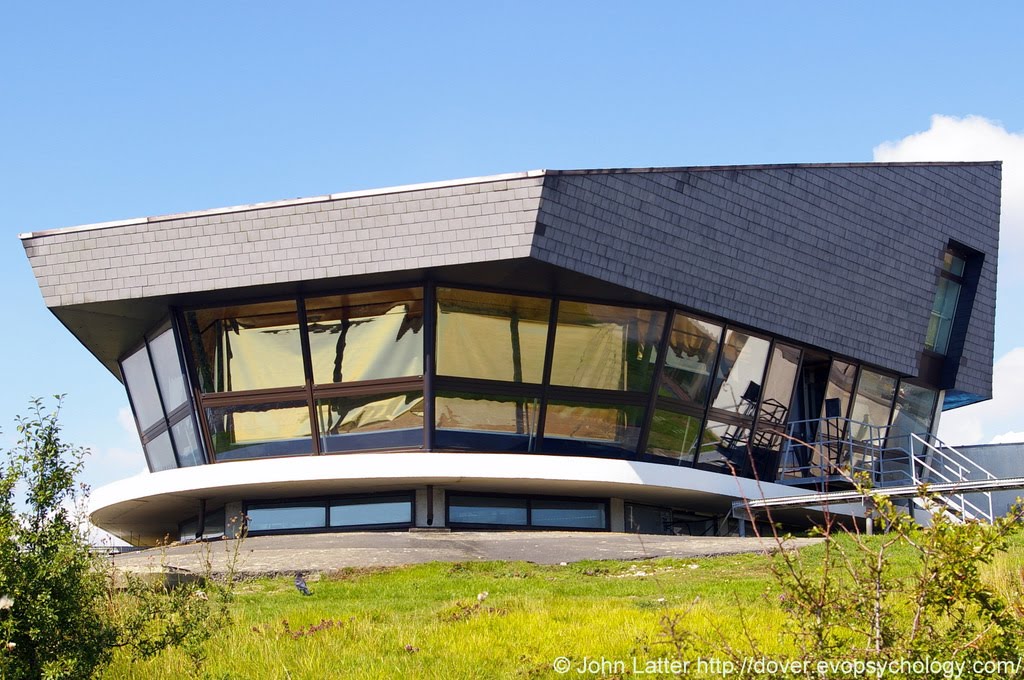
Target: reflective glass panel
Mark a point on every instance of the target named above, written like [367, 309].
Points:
[168, 370]
[575, 514]
[913, 413]
[740, 372]
[604, 347]
[160, 453]
[953, 263]
[138, 378]
[486, 422]
[692, 347]
[872, 405]
[593, 428]
[841, 379]
[476, 510]
[724, 448]
[941, 321]
[377, 511]
[247, 347]
[778, 388]
[366, 336]
[673, 435]
[279, 518]
[491, 336]
[371, 422]
[186, 442]
[260, 430]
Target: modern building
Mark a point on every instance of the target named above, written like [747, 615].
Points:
[628, 349]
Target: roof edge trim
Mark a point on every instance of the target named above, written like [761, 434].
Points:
[362, 193]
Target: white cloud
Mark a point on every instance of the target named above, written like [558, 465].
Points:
[1003, 414]
[127, 421]
[1008, 438]
[974, 138]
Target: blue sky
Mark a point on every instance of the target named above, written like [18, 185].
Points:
[116, 110]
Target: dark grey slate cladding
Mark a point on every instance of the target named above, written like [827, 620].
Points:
[840, 257]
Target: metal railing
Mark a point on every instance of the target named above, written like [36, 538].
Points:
[833, 451]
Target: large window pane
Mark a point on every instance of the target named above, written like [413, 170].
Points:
[160, 453]
[570, 514]
[260, 430]
[169, 374]
[186, 442]
[373, 422]
[724, 448]
[138, 378]
[872, 405]
[692, 347]
[941, 321]
[359, 512]
[491, 336]
[778, 388]
[912, 414]
[486, 422]
[247, 347]
[281, 518]
[591, 428]
[740, 372]
[479, 510]
[604, 347]
[366, 336]
[841, 378]
[673, 436]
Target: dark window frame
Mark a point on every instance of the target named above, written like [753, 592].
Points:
[326, 502]
[528, 499]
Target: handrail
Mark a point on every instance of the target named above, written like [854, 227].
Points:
[821, 449]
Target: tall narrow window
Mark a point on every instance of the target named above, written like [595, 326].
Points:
[947, 293]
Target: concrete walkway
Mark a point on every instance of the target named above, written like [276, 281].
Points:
[268, 555]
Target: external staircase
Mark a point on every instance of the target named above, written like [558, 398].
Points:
[834, 456]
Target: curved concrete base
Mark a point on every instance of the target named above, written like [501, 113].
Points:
[147, 508]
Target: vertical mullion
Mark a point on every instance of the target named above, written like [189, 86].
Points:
[307, 367]
[711, 388]
[652, 399]
[192, 371]
[163, 406]
[429, 361]
[549, 351]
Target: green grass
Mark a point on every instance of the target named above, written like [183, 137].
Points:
[425, 622]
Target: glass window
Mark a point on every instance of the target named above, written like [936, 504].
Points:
[169, 375]
[138, 378]
[479, 510]
[943, 310]
[724, 448]
[574, 514]
[486, 422]
[260, 430]
[247, 347]
[604, 347]
[491, 336]
[358, 512]
[160, 453]
[952, 263]
[872, 405]
[913, 413]
[778, 387]
[692, 347]
[366, 336]
[284, 517]
[186, 442]
[591, 428]
[740, 372]
[841, 378]
[371, 422]
[673, 435]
